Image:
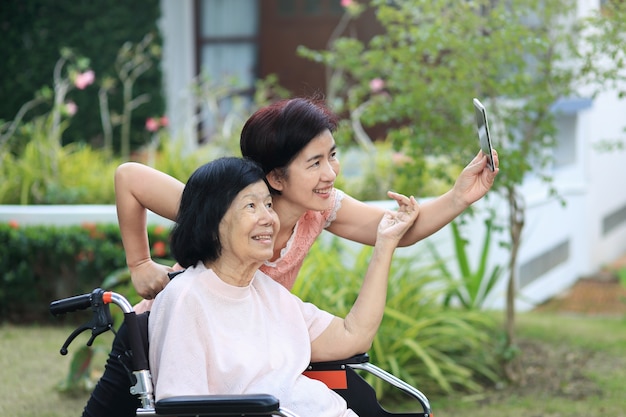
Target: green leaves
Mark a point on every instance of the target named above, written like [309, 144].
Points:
[78, 379]
[519, 59]
[47, 173]
[434, 347]
[43, 263]
[471, 286]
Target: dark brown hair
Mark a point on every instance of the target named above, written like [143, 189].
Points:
[275, 134]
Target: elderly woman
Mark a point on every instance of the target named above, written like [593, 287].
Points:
[224, 327]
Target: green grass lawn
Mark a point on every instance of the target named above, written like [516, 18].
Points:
[583, 357]
[579, 371]
[32, 367]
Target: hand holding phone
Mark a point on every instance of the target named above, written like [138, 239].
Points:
[482, 128]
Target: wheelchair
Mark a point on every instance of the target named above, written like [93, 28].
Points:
[341, 376]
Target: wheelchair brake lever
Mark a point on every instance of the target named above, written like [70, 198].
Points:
[100, 322]
[97, 331]
[71, 337]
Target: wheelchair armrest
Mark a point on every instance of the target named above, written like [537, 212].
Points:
[219, 405]
[333, 373]
[341, 376]
[339, 364]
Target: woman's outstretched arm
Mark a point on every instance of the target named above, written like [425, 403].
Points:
[354, 334]
[358, 221]
[139, 188]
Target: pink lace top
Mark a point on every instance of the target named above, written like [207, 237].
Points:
[285, 269]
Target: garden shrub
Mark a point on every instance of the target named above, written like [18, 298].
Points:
[84, 175]
[40, 264]
[436, 349]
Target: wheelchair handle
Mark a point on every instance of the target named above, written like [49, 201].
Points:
[93, 299]
[98, 300]
[71, 304]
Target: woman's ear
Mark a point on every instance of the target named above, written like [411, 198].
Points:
[274, 178]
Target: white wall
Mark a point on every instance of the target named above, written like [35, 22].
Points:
[67, 215]
[607, 174]
[178, 66]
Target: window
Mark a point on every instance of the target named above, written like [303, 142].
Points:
[227, 40]
[226, 60]
[565, 146]
[566, 122]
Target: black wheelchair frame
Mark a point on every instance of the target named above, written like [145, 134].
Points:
[341, 376]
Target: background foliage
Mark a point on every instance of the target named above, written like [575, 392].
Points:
[40, 264]
[519, 58]
[34, 31]
[437, 348]
[85, 175]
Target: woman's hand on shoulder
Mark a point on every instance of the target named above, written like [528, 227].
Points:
[149, 278]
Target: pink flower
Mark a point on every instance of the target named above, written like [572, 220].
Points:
[71, 108]
[155, 123]
[400, 159]
[346, 3]
[152, 124]
[13, 224]
[84, 79]
[377, 85]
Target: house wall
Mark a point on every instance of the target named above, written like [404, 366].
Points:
[178, 67]
[606, 194]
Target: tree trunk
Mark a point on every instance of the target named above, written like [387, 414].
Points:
[517, 211]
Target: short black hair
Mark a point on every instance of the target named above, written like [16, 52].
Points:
[274, 135]
[208, 194]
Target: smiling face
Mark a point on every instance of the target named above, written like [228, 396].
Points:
[308, 180]
[248, 229]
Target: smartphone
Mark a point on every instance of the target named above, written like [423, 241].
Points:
[482, 128]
